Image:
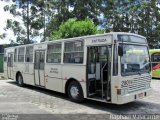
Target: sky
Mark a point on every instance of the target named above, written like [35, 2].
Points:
[3, 18]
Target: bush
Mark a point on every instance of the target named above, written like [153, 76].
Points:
[73, 28]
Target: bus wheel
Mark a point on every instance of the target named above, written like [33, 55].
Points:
[20, 80]
[75, 92]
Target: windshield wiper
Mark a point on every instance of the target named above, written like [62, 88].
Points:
[144, 65]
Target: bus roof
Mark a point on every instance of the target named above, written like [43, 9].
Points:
[151, 51]
[82, 37]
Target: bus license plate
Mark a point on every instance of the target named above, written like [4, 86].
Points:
[141, 95]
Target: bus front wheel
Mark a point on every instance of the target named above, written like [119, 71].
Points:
[75, 92]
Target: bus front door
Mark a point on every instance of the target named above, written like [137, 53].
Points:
[39, 68]
[10, 66]
[98, 72]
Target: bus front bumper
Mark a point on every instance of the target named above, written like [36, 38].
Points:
[122, 99]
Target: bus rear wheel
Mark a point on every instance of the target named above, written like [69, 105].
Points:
[75, 92]
[20, 80]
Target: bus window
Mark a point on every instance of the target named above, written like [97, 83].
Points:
[155, 57]
[135, 59]
[73, 52]
[29, 54]
[54, 53]
[21, 54]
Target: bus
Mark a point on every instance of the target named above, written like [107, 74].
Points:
[155, 61]
[97, 67]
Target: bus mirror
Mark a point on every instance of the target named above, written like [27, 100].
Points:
[120, 50]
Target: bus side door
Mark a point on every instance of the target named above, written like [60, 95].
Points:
[39, 68]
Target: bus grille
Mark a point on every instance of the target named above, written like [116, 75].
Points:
[139, 83]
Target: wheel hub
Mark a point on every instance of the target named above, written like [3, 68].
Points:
[74, 91]
[19, 80]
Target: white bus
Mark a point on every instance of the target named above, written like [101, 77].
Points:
[98, 67]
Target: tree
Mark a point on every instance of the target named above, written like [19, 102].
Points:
[49, 15]
[145, 18]
[83, 9]
[135, 16]
[73, 28]
[73, 9]
[31, 19]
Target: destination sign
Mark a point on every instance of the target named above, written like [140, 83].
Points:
[40, 46]
[9, 50]
[99, 40]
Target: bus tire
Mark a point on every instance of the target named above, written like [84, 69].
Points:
[75, 92]
[20, 80]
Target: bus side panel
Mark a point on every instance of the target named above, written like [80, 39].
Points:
[53, 77]
[5, 69]
[15, 70]
[114, 82]
[77, 72]
[155, 70]
[29, 74]
[156, 73]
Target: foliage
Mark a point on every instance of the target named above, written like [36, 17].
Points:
[73, 28]
[135, 16]
[29, 22]
[72, 9]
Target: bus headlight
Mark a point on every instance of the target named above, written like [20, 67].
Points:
[147, 85]
[124, 91]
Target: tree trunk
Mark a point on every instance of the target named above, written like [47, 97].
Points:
[28, 40]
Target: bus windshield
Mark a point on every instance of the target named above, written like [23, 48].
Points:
[135, 60]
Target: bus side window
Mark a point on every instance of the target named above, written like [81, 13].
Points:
[29, 54]
[155, 57]
[54, 53]
[152, 58]
[74, 52]
[21, 54]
